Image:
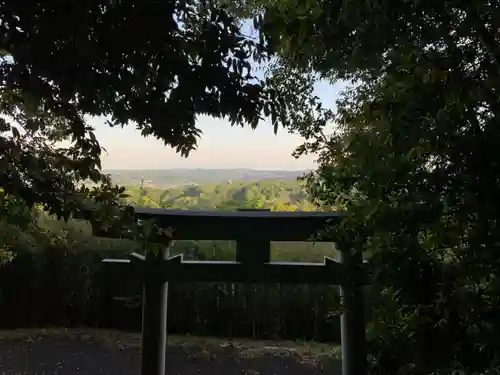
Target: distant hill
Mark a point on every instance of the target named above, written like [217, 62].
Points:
[181, 177]
[277, 195]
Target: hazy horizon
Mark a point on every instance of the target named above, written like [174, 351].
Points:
[220, 146]
[204, 169]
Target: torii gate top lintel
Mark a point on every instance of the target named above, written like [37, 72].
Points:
[245, 223]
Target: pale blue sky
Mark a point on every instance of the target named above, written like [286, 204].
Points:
[221, 146]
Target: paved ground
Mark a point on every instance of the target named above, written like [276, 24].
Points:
[82, 353]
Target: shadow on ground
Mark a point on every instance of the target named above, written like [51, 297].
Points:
[85, 355]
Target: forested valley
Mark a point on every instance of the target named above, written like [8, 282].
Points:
[269, 194]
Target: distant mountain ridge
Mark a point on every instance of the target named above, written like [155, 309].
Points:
[179, 177]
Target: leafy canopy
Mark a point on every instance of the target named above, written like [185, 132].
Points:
[157, 65]
[414, 162]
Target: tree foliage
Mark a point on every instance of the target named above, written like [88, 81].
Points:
[413, 161]
[156, 65]
[272, 194]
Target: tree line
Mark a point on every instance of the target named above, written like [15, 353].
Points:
[275, 195]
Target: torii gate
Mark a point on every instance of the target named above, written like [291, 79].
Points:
[253, 231]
